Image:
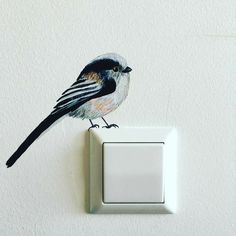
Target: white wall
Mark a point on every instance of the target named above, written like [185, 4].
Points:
[183, 58]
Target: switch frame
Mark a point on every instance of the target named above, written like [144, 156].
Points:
[98, 137]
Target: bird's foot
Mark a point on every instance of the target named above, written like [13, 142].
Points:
[110, 126]
[93, 126]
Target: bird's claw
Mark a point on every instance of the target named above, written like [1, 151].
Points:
[93, 126]
[111, 125]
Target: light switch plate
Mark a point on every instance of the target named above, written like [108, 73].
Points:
[133, 170]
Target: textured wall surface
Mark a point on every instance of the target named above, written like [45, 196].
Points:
[183, 57]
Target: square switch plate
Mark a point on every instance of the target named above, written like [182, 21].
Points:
[133, 170]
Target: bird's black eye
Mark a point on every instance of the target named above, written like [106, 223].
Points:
[115, 69]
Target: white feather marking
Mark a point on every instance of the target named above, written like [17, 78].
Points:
[78, 99]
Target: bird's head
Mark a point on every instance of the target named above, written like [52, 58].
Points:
[110, 65]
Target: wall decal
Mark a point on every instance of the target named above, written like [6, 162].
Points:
[100, 88]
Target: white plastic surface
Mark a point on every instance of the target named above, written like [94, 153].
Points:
[133, 172]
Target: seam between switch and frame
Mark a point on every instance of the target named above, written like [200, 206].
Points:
[127, 203]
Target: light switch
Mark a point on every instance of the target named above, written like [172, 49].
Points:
[133, 172]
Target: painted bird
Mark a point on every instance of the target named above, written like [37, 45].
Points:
[101, 87]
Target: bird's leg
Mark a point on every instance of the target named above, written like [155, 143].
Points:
[109, 126]
[93, 125]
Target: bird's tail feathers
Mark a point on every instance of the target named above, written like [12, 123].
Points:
[45, 124]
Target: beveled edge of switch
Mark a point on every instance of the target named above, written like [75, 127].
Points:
[163, 134]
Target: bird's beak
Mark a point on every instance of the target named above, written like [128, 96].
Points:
[127, 70]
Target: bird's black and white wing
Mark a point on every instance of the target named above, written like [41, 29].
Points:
[87, 87]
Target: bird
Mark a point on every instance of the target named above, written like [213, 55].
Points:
[100, 88]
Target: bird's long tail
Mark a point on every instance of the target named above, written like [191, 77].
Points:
[46, 123]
